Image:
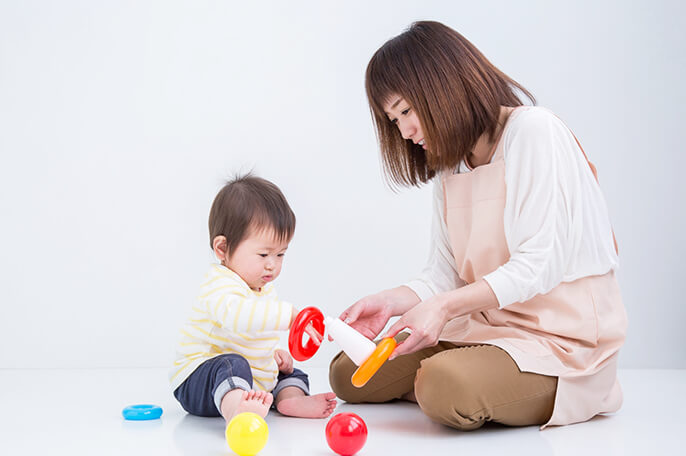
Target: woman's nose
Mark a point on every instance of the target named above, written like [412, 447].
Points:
[407, 129]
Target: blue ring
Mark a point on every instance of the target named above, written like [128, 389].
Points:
[142, 412]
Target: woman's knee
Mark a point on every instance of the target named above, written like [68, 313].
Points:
[448, 394]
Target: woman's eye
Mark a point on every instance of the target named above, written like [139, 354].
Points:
[405, 112]
[394, 121]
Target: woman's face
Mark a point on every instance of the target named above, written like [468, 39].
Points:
[404, 117]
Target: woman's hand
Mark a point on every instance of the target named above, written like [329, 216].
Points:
[369, 315]
[283, 361]
[426, 321]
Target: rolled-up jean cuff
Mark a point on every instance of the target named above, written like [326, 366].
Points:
[227, 385]
[291, 381]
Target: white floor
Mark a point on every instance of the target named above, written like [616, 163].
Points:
[78, 412]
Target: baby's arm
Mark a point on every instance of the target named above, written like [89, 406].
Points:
[242, 314]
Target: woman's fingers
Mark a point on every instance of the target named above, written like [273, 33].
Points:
[396, 328]
[392, 332]
[417, 339]
[352, 313]
[413, 343]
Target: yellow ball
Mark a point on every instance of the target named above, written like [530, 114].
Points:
[247, 434]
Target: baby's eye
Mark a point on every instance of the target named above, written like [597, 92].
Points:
[280, 254]
[263, 255]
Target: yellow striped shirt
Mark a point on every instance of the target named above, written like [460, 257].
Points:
[229, 317]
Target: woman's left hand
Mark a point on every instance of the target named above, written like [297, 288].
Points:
[283, 361]
[426, 320]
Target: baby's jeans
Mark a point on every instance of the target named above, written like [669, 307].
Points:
[202, 392]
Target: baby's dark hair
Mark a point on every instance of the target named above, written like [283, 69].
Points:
[249, 203]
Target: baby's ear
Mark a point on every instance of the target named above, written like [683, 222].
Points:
[220, 247]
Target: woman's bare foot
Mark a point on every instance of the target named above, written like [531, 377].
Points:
[240, 401]
[301, 406]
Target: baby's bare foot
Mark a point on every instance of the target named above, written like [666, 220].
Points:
[250, 401]
[317, 406]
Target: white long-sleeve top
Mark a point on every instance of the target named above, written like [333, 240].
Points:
[229, 317]
[556, 221]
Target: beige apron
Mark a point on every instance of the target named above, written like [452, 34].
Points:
[573, 332]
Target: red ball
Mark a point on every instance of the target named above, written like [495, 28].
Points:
[346, 433]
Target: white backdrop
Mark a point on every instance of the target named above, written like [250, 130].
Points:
[119, 121]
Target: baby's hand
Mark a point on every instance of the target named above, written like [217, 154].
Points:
[283, 361]
[314, 334]
[309, 329]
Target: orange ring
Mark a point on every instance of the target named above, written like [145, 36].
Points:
[372, 364]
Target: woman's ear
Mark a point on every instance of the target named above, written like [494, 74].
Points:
[220, 247]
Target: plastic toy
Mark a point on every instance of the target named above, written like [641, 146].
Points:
[142, 412]
[360, 350]
[346, 433]
[247, 434]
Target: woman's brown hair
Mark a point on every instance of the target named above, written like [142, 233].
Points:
[454, 90]
[250, 203]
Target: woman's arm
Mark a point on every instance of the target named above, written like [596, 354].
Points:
[556, 222]
[427, 319]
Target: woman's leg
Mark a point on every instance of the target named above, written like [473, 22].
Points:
[467, 386]
[394, 380]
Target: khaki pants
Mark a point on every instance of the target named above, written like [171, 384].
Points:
[459, 386]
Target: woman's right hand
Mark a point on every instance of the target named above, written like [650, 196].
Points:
[369, 315]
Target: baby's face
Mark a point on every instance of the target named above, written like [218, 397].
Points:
[258, 258]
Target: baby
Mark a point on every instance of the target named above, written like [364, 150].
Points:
[227, 360]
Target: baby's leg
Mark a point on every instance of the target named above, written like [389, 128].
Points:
[238, 401]
[292, 401]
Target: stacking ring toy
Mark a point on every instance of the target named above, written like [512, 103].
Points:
[374, 362]
[142, 412]
[295, 336]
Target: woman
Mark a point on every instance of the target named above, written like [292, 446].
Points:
[517, 317]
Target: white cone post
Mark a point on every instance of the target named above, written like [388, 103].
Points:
[355, 345]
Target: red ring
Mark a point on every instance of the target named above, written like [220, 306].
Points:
[295, 337]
